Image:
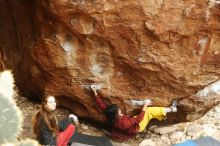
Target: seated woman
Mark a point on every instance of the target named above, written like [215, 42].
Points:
[47, 129]
[125, 127]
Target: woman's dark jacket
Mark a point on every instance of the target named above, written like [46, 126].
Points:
[46, 137]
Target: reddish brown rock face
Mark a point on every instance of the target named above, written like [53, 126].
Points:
[158, 49]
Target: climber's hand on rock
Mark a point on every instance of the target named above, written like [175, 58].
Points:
[94, 89]
[148, 101]
[146, 104]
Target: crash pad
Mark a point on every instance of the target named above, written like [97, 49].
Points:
[202, 141]
[89, 140]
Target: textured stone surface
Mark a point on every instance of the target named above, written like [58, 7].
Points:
[164, 130]
[158, 49]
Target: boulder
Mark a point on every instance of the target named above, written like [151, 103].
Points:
[157, 49]
[165, 130]
[147, 142]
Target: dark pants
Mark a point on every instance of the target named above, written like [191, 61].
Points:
[90, 140]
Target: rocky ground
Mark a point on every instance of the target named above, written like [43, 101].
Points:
[209, 125]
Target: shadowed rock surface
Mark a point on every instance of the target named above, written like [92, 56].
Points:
[158, 49]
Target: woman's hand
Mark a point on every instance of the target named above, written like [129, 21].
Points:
[75, 119]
